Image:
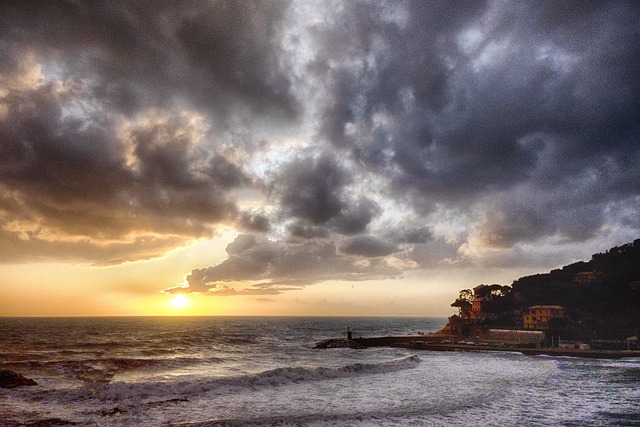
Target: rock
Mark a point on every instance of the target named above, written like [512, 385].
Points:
[338, 343]
[10, 379]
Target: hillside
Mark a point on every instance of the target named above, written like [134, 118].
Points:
[601, 296]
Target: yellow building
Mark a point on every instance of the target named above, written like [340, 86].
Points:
[538, 316]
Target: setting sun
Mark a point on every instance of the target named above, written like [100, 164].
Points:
[200, 200]
[179, 301]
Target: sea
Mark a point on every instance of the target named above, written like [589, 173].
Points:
[255, 371]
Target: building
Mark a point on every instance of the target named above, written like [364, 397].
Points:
[573, 345]
[513, 338]
[478, 306]
[585, 276]
[538, 316]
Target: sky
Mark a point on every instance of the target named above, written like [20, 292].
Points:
[308, 157]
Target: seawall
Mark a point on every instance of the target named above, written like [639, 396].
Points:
[424, 343]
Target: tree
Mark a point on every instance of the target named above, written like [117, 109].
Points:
[463, 303]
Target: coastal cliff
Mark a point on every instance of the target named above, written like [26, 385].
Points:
[585, 309]
[597, 300]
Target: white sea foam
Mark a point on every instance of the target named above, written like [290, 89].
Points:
[214, 371]
[185, 388]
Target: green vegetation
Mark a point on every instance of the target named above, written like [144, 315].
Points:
[606, 306]
[463, 302]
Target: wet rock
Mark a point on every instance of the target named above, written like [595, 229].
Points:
[338, 343]
[10, 379]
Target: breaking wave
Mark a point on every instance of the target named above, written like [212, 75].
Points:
[117, 392]
[283, 376]
[102, 370]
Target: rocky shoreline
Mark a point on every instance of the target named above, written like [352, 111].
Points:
[11, 379]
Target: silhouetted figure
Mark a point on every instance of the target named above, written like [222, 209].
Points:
[349, 337]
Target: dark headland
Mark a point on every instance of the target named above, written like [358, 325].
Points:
[585, 309]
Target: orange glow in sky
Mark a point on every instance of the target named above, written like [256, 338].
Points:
[273, 167]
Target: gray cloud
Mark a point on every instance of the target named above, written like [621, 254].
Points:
[128, 128]
[266, 267]
[30, 246]
[368, 246]
[105, 112]
[64, 179]
[312, 189]
[214, 55]
[253, 222]
[355, 218]
[406, 232]
[461, 103]
[315, 193]
[307, 232]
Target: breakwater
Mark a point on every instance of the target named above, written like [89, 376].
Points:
[427, 343]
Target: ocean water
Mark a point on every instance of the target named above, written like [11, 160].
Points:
[212, 371]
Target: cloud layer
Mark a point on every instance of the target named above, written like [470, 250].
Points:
[372, 137]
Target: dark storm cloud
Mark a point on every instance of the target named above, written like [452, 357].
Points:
[307, 232]
[580, 209]
[214, 54]
[253, 222]
[514, 122]
[406, 232]
[357, 217]
[455, 104]
[312, 189]
[314, 192]
[104, 117]
[127, 128]
[63, 179]
[368, 246]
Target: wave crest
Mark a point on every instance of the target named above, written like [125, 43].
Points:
[121, 392]
[281, 376]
